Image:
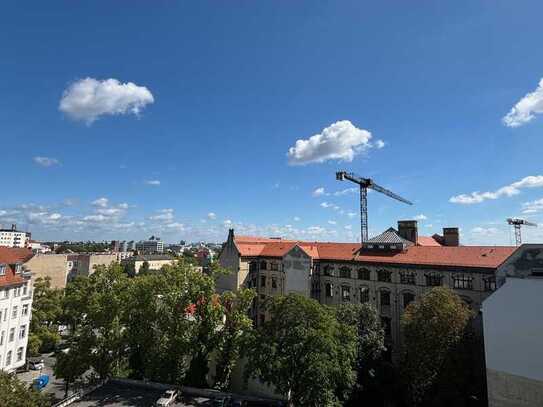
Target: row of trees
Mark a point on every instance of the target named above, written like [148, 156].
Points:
[171, 326]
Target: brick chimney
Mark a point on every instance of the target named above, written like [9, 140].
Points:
[451, 237]
[409, 230]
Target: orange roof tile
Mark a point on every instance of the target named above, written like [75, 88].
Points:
[458, 256]
[427, 241]
[12, 256]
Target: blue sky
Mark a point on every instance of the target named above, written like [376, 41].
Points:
[109, 99]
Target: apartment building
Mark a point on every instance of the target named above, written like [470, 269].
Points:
[155, 261]
[15, 307]
[151, 246]
[13, 237]
[513, 329]
[389, 271]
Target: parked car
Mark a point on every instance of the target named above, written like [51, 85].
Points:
[36, 364]
[167, 398]
[40, 382]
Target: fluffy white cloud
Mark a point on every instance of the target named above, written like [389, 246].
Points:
[100, 202]
[532, 206]
[526, 108]
[163, 215]
[46, 161]
[340, 141]
[176, 226]
[88, 99]
[319, 192]
[532, 181]
[227, 222]
[379, 144]
[95, 218]
[212, 216]
[420, 217]
[332, 222]
[109, 211]
[153, 182]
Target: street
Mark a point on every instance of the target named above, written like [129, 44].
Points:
[55, 386]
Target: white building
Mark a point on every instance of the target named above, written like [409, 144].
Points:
[513, 331]
[153, 245]
[13, 237]
[15, 307]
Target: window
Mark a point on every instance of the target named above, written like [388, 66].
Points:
[252, 267]
[20, 354]
[328, 270]
[329, 290]
[14, 312]
[274, 282]
[25, 309]
[11, 334]
[6, 293]
[317, 269]
[364, 294]
[2, 269]
[274, 266]
[385, 298]
[18, 268]
[433, 280]
[2, 336]
[262, 265]
[22, 331]
[16, 292]
[5, 314]
[8, 359]
[385, 322]
[262, 281]
[25, 288]
[364, 274]
[345, 272]
[490, 283]
[408, 298]
[346, 293]
[463, 282]
[384, 275]
[408, 277]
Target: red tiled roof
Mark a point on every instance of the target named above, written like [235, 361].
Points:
[458, 256]
[427, 241]
[12, 256]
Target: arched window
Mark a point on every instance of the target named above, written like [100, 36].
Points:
[364, 294]
[384, 297]
[433, 279]
[364, 274]
[384, 275]
[328, 270]
[263, 265]
[329, 289]
[345, 272]
[408, 298]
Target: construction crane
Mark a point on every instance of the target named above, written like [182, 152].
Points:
[364, 184]
[517, 223]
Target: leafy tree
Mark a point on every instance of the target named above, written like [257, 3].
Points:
[13, 392]
[305, 352]
[144, 268]
[46, 314]
[73, 362]
[234, 334]
[432, 326]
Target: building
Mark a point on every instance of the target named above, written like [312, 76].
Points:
[62, 268]
[15, 307]
[151, 246]
[38, 247]
[389, 271]
[513, 330]
[13, 237]
[155, 261]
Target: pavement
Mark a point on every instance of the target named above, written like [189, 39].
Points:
[114, 395]
[55, 386]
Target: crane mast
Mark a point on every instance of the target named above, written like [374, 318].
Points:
[364, 184]
[517, 223]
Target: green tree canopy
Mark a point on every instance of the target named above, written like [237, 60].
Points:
[304, 352]
[431, 325]
[46, 315]
[13, 392]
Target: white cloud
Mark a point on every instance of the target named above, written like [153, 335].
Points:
[46, 161]
[332, 222]
[100, 202]
[532, 206]
[428, 225]
[319, 192]
[95, 218]
[379, 144]
[227, 222]
[480, 231]
[109, 211]
[348, 227]
[351, 214]
[346, 191]
[123, 205]
[420, 217]
[176, 226]
[88, 99]
[153, 182]
[163, 215]
[325, 205]
[340, 141]
[532, 181]
[526, 108]
[296, 219]
[212, 216]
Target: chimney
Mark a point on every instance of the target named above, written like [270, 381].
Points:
[408, 229]
[230, 236]
[451, 237]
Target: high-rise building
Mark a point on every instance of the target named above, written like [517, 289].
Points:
[13, 237]
[153, 245]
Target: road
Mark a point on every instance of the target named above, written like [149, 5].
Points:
[55, 386]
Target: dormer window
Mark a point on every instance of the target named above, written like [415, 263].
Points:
[2, 269]
[18, 268]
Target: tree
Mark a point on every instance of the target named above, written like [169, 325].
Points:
[13, 392]
[432, 326]
[234, 334]
[304, 351]
[144, 268]
[46, 314]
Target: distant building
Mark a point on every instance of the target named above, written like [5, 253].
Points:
[13, 237]
[15, 307]
[155, 261]
[38, 247]
[153, 245]
[513, 331]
